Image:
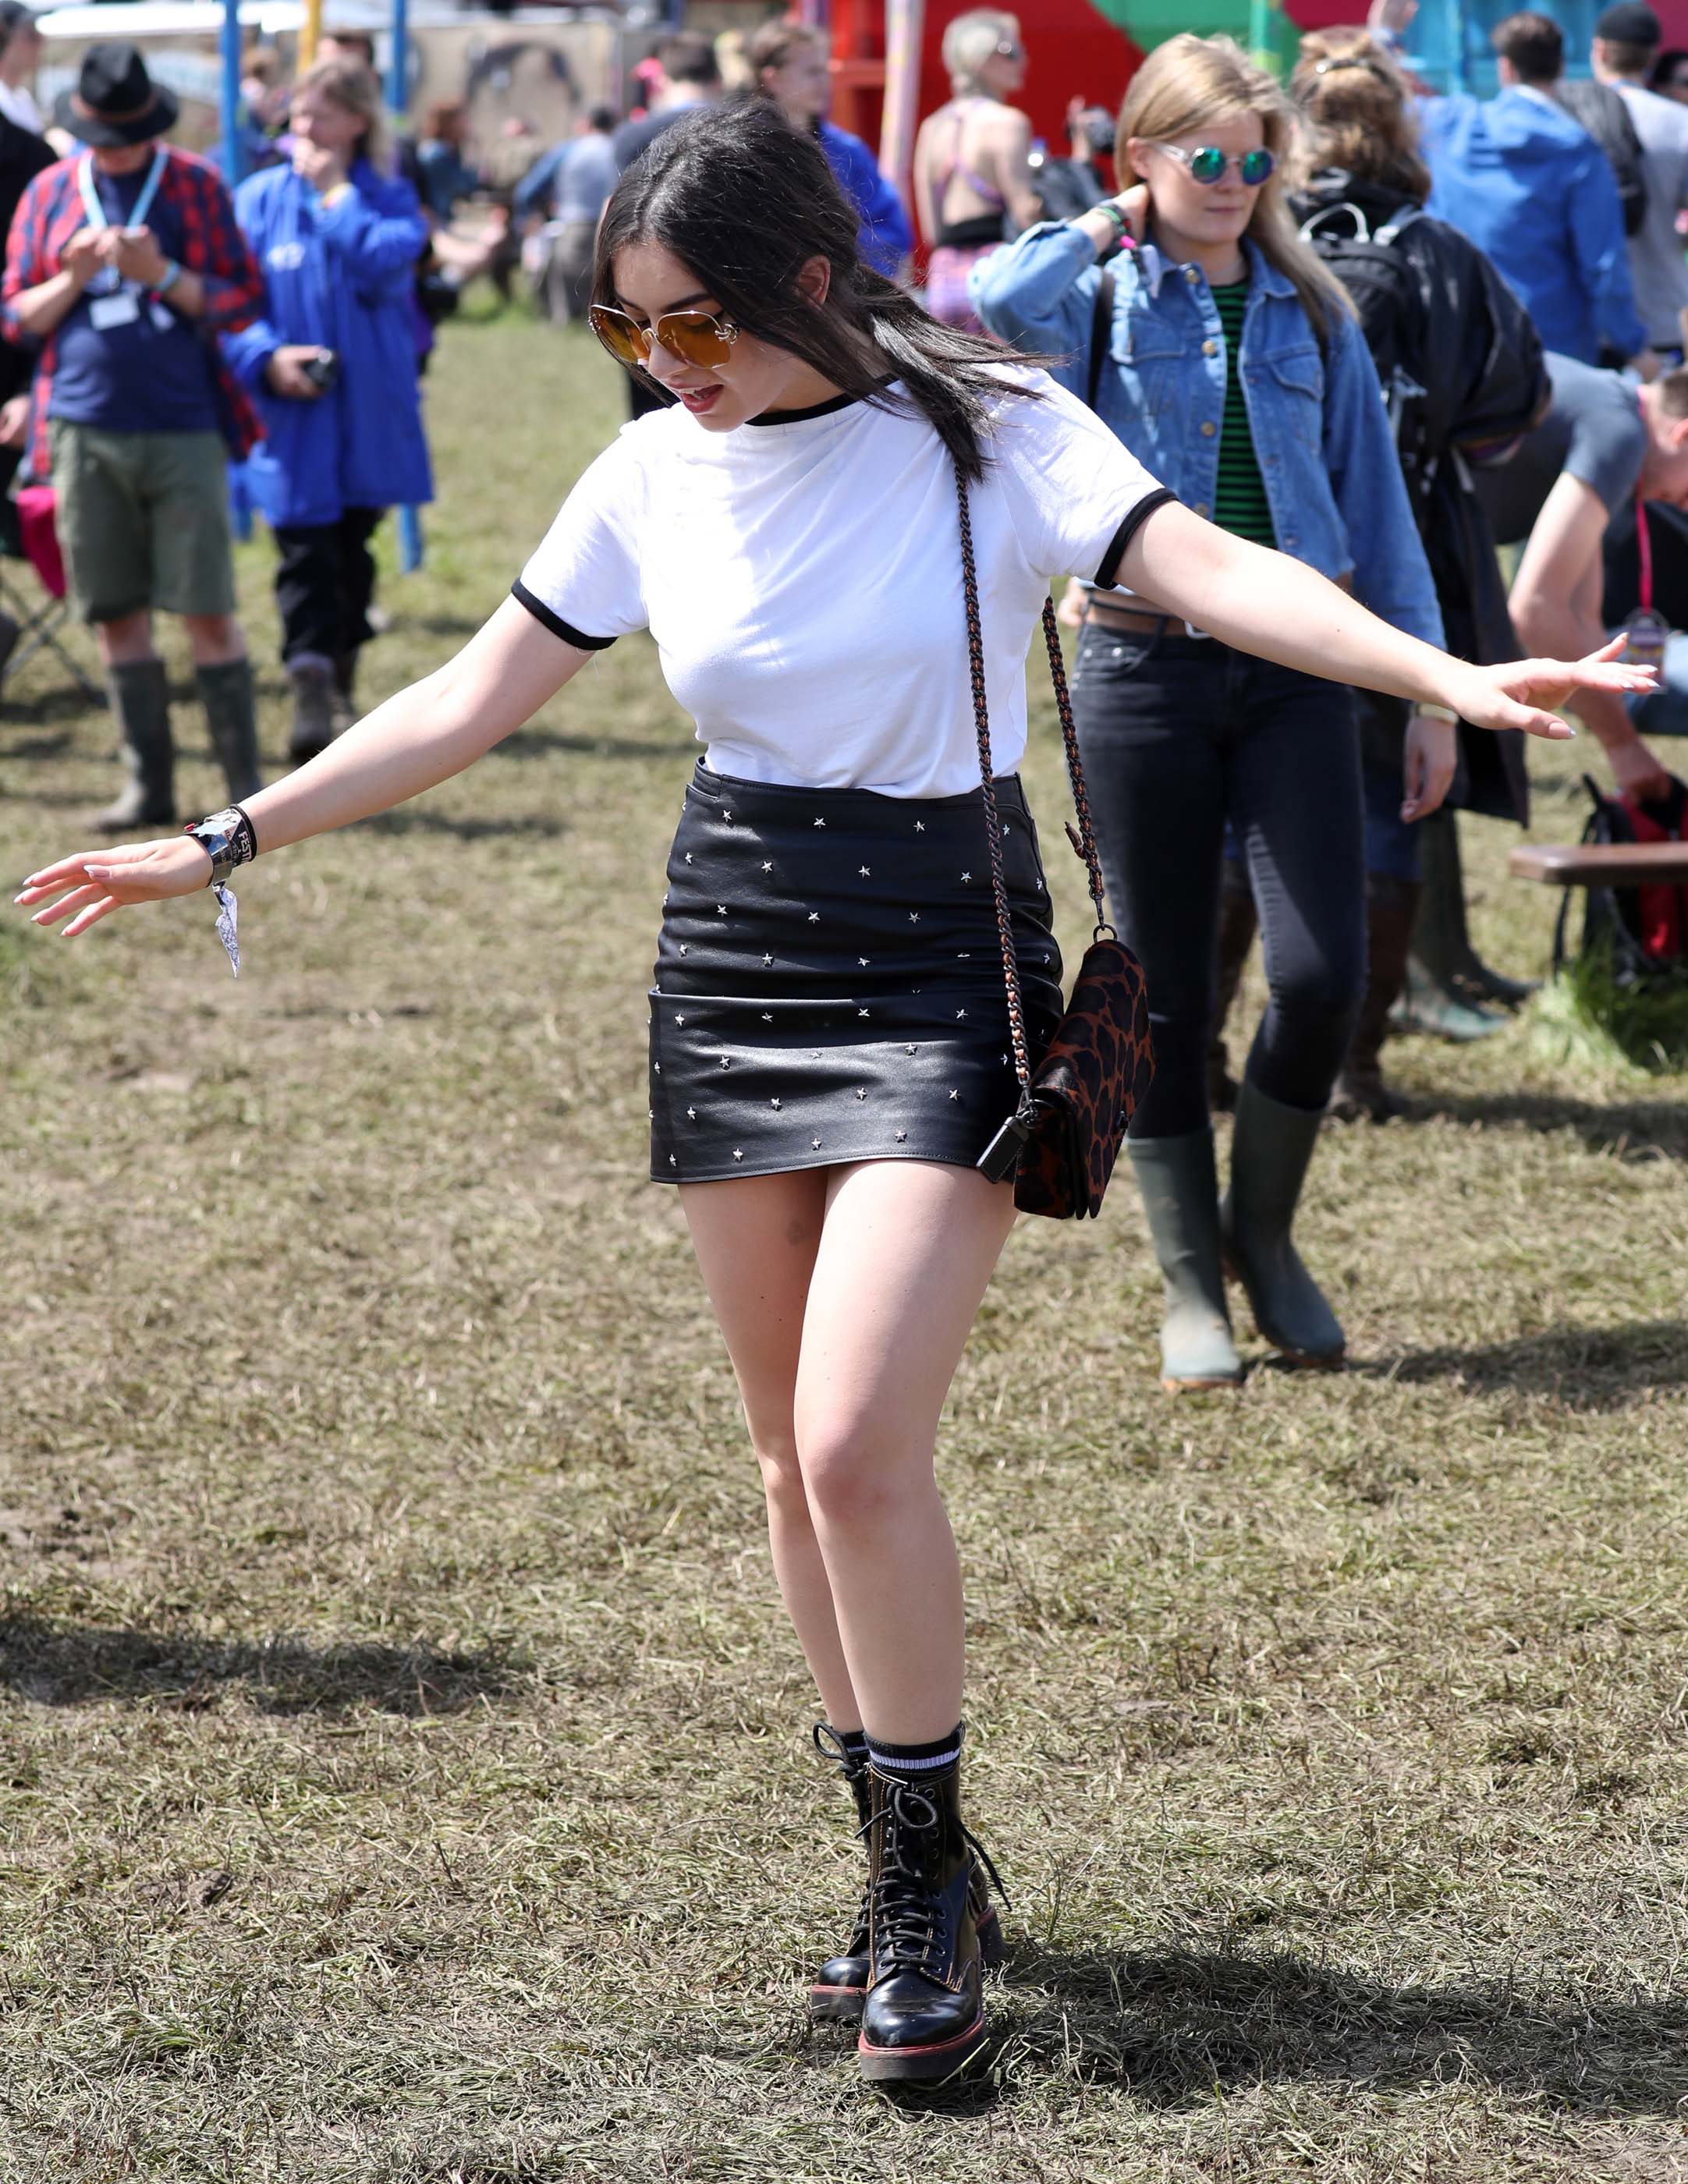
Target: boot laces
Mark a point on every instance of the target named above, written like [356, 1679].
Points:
[908, 1921]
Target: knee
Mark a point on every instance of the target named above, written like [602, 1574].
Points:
[1326, 990]
[215, 637]
[782, 1473]
[854, 1484]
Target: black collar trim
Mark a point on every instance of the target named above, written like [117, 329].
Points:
[802, 416]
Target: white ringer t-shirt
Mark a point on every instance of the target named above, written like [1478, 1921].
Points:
[802, 578]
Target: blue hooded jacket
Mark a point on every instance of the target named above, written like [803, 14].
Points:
[338, 277]
[1533, 190]
[886, 236]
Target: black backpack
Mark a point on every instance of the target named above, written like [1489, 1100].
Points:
[1391, 296]
[1645, 928]
[1601, 110]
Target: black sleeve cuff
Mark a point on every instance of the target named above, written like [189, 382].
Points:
[1108, 574]
[555, 622]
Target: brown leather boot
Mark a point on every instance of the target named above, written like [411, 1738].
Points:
[1238, 921]
[1392, 907]
[924, 2016]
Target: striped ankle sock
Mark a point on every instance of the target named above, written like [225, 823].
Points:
[910, 1762]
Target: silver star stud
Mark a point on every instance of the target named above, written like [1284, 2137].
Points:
[766, 960]
[966, 877]
[954, 1095]
[860, 1092]
[862, 960]
[862, 1012]
[688, 856]
[672, 1162]
[1007, 829]
[920, 825]
[736, 1154]
[768, 867]
[679, 1020]
[651, 1113]
[820, 822]
[901, 1136]
[1038, 885]
[691, 1114]
[913, 917]
[725, 818]
[960, 1015]
[720, 910]
[814, 1145]
[914, 1050]
[657, 1066]
[665, 899]
[814, 917]
[777, 1105]
[683, 949]
[866, 871]
[767, 1016]
[1004, 1061]
[964, 955]
[725, 1063]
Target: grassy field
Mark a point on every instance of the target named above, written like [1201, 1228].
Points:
[404, 1771]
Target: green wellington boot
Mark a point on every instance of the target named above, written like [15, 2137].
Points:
[1270, 1150]
[1441, 942]
[140, 697]
[225, 692]
[1179, 1183]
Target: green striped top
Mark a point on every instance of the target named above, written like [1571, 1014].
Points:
[1240, 502]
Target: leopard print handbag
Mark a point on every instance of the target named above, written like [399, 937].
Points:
[1061, 1142]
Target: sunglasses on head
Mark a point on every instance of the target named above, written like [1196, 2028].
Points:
[1208, 164]
[703, 338]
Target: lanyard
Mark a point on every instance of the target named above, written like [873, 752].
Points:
[144, 204]
[1644, 542]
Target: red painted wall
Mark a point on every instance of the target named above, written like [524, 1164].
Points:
[1069, 47]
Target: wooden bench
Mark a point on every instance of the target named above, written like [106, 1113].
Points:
[1613, 865]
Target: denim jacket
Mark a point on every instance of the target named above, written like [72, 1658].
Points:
[1320, 430]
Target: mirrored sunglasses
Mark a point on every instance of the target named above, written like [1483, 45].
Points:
[702, 338]
[1208, 164]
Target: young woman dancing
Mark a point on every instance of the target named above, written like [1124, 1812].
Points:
[827, 1048]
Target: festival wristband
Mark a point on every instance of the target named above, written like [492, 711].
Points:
[1121, 225]
[172, 274]
[1427, 712]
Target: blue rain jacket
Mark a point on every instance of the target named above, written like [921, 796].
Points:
[340, 278]
[1533, 190]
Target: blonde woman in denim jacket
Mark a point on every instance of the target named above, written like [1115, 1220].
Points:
[1230, 363]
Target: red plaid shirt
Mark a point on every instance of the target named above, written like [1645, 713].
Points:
[51, 211]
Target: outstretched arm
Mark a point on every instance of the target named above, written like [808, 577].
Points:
[425, 734]
[1278, 608]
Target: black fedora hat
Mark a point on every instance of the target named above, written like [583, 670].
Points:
[115, 101]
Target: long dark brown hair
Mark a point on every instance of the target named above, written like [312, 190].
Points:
[745, 201]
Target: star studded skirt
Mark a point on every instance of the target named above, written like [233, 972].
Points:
[829, 980]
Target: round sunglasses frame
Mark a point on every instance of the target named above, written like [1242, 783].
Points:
[629, 343]
[1240, 160]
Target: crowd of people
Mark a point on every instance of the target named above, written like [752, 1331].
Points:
[1274, 407]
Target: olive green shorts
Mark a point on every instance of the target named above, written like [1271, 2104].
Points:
[143, 520]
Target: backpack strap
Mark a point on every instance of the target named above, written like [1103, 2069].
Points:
[1101, 326]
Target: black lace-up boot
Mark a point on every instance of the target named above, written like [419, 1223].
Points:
[924, 2016]
[840, 1984]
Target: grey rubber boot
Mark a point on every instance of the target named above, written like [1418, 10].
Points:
[225, 692]
[1442, 941]
[140, 697]
[1271, 1147]
[1180, 1188]
[312, 686]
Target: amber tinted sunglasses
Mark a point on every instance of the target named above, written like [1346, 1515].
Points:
[703, 338]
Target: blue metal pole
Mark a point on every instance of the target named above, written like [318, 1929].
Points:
[399, 98]
[233, 165]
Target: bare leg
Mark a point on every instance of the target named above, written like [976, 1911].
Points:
[755, 1242]
[127, 640]
[906, 1253]
[213, 639]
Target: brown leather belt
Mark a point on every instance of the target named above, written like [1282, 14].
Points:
[1107, 615]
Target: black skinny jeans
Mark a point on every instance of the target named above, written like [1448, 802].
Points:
[324, 583]
[1179, 735]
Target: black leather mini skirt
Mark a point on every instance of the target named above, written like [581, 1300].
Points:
[829, 983]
